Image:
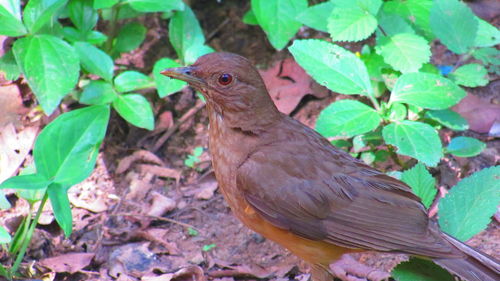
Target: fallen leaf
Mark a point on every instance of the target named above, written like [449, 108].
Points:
[11, 105]
[288, 83]
[14, 147]
[160, 205]
[71, 263]
[480, 114]
[140, 155]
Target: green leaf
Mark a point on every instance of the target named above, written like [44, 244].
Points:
[454, 24]
[421, 182]
[96, 37]
[149, 6]
[414, 139]
[66, 149]
[468, 207]
[317, 16]
[448, 118]
[374, 65]
[420, 270]
[465, 147]
[347, 118]
[470, 75]
[426, 90]
[136, 110]
[392, 25]
[353, 24]
[50, 65]
[417, 12]
[405, 52]
[332, 66]
[94, 60]
[487, 55]
[278, 19]
[9, 67]
[397, 112]
[429, 68]
[32, 181]
[60, 205]
[132, 80]
[10, 13]
[98, 92]
[37, 13]
[102, 4]
[166, 85]
[82, 14]
[130, 37]
[4, 203]
[487, 34]
[249, 18]
[31, 195]
[4, 236]
[196, 51]
[184, 31]
[208, 247]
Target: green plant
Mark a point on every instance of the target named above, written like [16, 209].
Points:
[62, 56]
[193, 159]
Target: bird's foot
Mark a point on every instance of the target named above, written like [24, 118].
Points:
[348, 269]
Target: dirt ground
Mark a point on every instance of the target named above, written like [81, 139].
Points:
[144, 215]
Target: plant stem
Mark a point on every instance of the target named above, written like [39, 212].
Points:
[112, 28]
[375, 103]
[27, 240]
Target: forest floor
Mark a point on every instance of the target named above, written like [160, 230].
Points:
[144, 215]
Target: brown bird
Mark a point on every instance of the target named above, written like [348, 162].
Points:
[288, 183]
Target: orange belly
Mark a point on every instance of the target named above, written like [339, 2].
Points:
[314, 252]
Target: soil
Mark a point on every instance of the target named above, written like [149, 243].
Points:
[144, 215]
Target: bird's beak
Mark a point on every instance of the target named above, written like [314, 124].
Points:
[185, 74]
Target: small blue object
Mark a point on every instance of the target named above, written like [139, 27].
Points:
[445, 69]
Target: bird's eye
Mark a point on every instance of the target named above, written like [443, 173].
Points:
[225, 79]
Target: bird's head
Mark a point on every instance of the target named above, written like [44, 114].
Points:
[231, 85]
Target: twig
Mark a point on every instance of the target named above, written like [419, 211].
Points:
[156, 218]
[190, 113]
[219, 27]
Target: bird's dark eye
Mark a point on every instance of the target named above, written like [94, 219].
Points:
[225, 79]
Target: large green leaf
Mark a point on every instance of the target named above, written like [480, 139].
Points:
[420, 270]
[454, 24]
[278, 19]
[448, 118]
[317, 16]
[98, 92]
[352, 24]
[10, 13]
[405, 52]
[9, 67]
[332, 66]
[50, 65]
[487, 35]
[347, 118]
[32, 181]
[166, 85]
[196, 51]
[66, 149]
[415, 139]
[37, 13]
[465, 146]
[130, 37]
[148, 6]
[132, 80]
[82, 14]
[426, 90]
[470, 75]
[421, 182]
[60, 205]
[94, 60]
[416, 12]
[135, 109]
[184, 31]
[102, 4]
[468, 207]
[4, 236]
[390, 25]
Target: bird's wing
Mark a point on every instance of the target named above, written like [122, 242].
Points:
[319, 193]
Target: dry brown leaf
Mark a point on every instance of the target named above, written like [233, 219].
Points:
[140, 155]
[11, 105]
[287, 83]
[160, 205]
[14, 147]
[480, 113]
[71, 263]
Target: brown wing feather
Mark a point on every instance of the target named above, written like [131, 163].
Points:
[333, 197]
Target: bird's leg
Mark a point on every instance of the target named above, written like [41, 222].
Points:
[348, 269]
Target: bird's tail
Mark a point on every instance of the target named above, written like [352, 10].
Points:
[476, 266]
